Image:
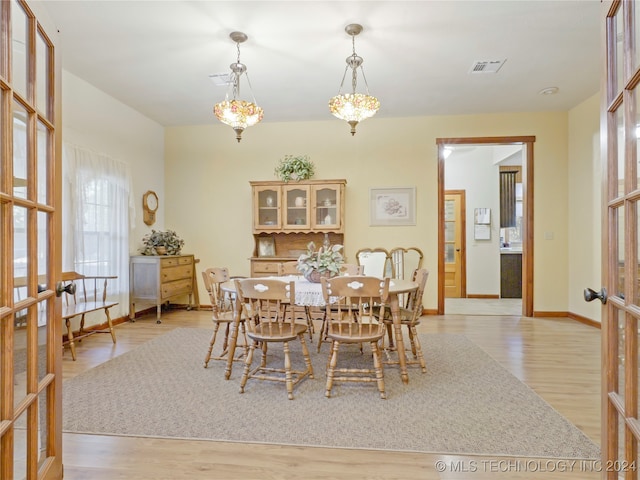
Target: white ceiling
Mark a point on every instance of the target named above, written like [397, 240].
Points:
[156, 56]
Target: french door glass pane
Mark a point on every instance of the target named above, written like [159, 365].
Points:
[43, 249]
[636, 22]
[42, 75]
[618, 244]
[619, 39]
[621, 150]
[20, 258]
[19, 48]
[20, 448]
[20, 355]
[42, 161]
[43, 427]
[20, 170]
[636, 271]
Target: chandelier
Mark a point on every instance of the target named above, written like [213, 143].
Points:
[354, 107]
[238, 114]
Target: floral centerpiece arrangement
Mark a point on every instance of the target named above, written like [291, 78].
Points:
[161, 243]
[295, 168]
[324, 262]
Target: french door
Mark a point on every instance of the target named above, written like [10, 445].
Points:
[30, 329]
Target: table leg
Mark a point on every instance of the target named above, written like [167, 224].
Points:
[397, 327]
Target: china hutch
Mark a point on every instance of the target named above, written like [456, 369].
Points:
[287, 216]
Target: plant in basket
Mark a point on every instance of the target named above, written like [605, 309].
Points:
[161, 243]
[323, 262]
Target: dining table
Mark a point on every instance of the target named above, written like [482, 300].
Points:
[309, 294]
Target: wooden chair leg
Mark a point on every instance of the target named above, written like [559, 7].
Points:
[287, 370]
[305, 355]
[331, 369]
[390, 336]
[81, 330]
[310, 325]
[423, 363]
[72, 345]
[111, 330]
[211, 343]
[323, 332]
[247, 366]
[377, 365]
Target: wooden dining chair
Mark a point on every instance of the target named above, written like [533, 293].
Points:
[223, 313]
[352, 323]
[347, 269]
[298, 312]
[351, 269]
[410, 313]
[376, 261]
[267, 301]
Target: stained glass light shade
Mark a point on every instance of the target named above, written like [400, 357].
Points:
[238, 114]
[353, 108]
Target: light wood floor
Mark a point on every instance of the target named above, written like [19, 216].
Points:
[558, 358]
[483, 306]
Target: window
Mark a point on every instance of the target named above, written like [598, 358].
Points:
[512, 236]
[97, 212]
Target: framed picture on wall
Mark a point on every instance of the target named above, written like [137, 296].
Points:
[392, 206]
[266, 247]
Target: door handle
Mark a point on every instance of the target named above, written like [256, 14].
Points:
[70, 288]
[590, 295]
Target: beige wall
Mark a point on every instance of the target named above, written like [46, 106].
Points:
[208, 196]
[96, 121]
[584, 205]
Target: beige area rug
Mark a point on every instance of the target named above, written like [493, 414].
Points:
[467, 403]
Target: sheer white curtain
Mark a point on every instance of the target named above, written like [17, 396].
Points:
[98, 210]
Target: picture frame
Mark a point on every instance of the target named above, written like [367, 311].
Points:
[392, 206]
[266, 247]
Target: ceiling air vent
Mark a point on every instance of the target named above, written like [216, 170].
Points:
[490, 66]
[220, 79]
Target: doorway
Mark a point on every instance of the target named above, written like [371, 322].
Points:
[483, 228]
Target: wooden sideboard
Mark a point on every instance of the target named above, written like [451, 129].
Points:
[159, 279]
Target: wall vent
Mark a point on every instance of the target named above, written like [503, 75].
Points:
[487, 66]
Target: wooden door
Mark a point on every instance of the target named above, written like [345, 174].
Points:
[620, 114]
[455, 285]
[30, 325]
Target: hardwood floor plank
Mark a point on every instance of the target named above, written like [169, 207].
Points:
[558, 358]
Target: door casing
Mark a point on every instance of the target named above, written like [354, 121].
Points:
[527, 195]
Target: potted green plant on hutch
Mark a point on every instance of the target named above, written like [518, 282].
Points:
[295, 168]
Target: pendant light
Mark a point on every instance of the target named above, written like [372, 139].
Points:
[354, 107]
[238, 114]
